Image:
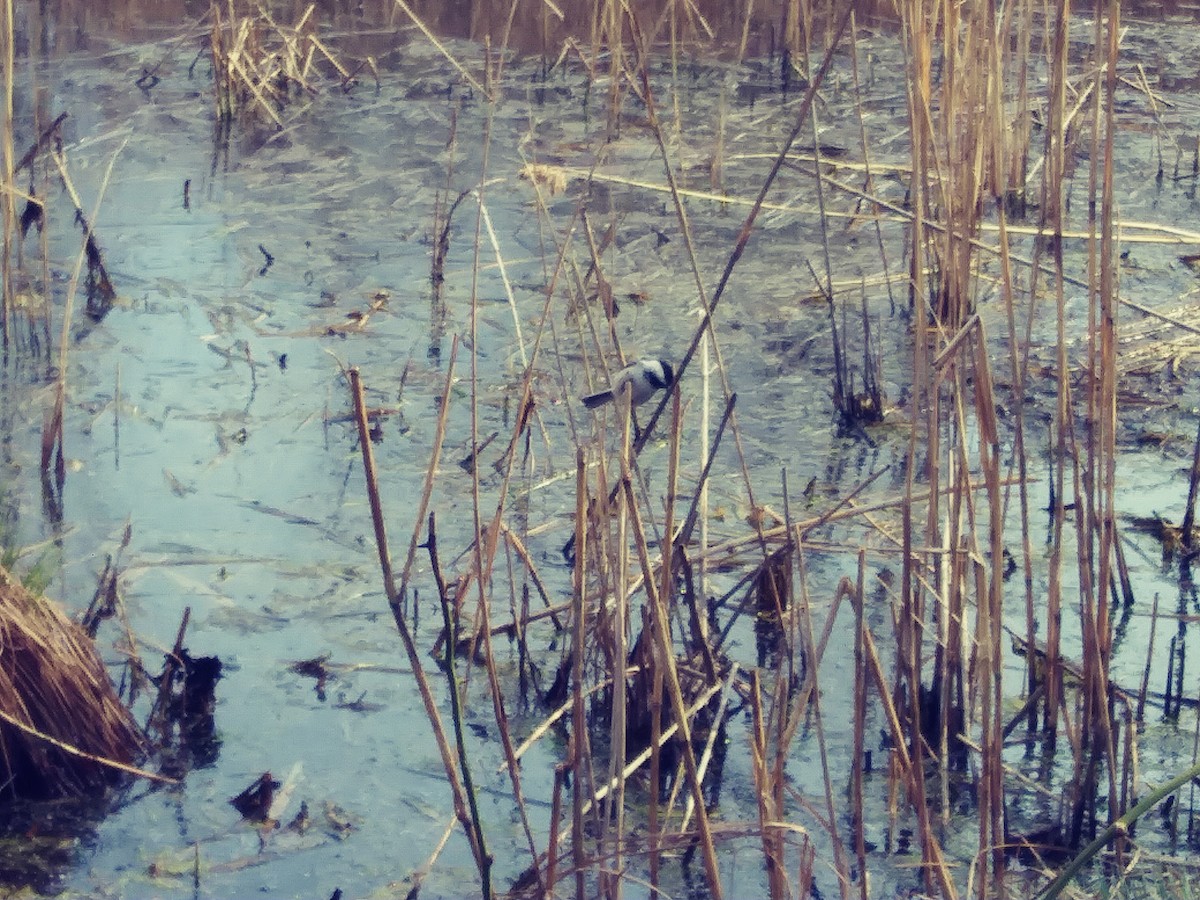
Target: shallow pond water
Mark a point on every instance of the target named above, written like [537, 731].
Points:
[209, 410]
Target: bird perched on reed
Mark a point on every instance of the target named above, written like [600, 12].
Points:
[642, 378]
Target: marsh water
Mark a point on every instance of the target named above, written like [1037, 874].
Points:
[209, 409]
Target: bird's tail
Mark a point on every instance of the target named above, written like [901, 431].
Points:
[591, 401]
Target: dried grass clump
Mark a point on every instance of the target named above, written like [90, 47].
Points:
[260, 65]
[63, 729]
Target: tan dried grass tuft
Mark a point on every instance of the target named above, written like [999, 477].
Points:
[63, 729]
[260, 66]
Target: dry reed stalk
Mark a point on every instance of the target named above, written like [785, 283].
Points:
[905, 764]
[1053, 221]
[657, 736]
[239, 81]
[1139, 715]
[1019, 375]
[1095, 518]
[435, 455]
[595, 796]
[418, 875]
[958, 158]
[260, 65]
[864, 146]
[618, 728]
[1166, 235]
[816, 653]
[515, 542]
[987, 662]
[667, 734]
[551, 871]
[710, 743]
[44, 343]
[658, 604]
[748, 225]
[1132, 231]
[159, 718]
[8, 175]
[612, 23]
[450, 620]
[711, 343]
[441, 48]
[765, 794]
[788, 723]
[578, 721]
[858, 754]
[910, 618]
[508, 292]
[780, 532]
[410, 647]
[485, 550]
[486, 541]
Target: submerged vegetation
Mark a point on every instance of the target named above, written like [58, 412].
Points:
[900, 675]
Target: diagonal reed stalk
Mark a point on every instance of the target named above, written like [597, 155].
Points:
[8, 211]
[395, 604]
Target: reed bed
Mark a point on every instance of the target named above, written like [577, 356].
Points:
[648, 688]
[262, 66]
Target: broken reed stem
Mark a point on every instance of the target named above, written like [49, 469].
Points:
[858, 755]
[9, 210]
[802, 527]
[539, 731]
[518, 546]
[1019, 373]
[645, 756]
[410, 647]
[657, 739]
[924, 437]
[1103, 399]
[450, 622]
[417, 876]
[618, 729]
[158, 718]
[555, 820]
[578, 720]
[504, 280]
[1053, 220]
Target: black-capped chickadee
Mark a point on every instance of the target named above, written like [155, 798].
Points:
[643, 377]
